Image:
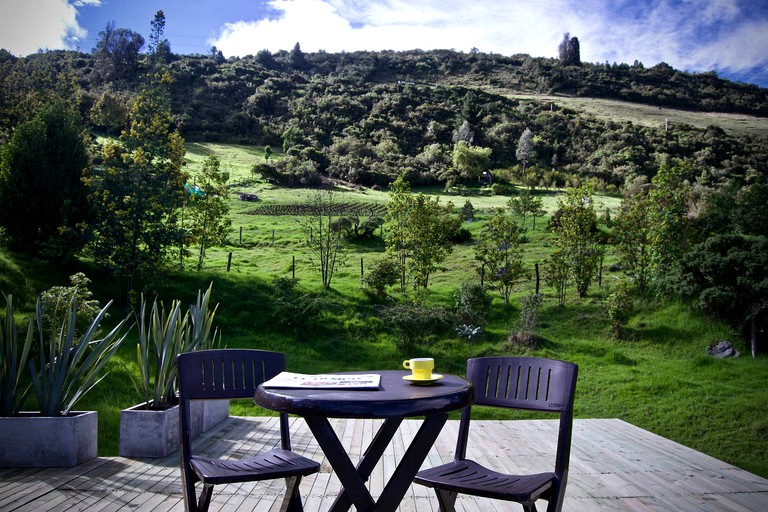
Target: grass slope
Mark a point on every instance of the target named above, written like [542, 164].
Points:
[658, 378]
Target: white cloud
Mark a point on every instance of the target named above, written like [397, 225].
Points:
[28, 26]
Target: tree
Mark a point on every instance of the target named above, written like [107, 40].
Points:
[632, 232]
[296, 58]
[159, 47]
[325, 240]
[727, 277]
[419, 236]
[525, 150]
[500, 253]
[577, 237]
[469, 161]
[569, 51]
[138, 193]
[669, 237]
[42, 197]
[526, 204]
[209, 207]
[117, 53]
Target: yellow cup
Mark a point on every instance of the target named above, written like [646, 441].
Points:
[421, 367]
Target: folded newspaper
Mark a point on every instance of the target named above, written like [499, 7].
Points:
[324, 381]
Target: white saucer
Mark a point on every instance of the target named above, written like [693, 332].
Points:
[423, 382]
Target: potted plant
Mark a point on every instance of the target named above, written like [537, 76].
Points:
[65, 368]
[150, 429]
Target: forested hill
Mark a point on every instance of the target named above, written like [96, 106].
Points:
[367, 116]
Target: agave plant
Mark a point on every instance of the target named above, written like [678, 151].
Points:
[12, 362]
[69, 366]
[162, 335]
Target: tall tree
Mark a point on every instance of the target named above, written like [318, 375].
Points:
[469, 162]
[525, 204]
[577, 237]
[42, 197]
[116, 53]
[525, 149]
[419, 236]
[501, 254]
[209, 207]
[138, 192]
[633, 239]
[325, 238]
[159, 47]
[569, 51]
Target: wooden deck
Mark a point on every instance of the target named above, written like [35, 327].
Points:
[615, 466]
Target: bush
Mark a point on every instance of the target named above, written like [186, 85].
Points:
[412, 323]
[382, 274]
[472, 304]
[293, 309]
[619, 309]
[529, 321]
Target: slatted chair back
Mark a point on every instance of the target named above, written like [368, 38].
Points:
[527, 383]
[233, 374]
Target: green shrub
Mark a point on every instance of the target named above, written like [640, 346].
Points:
[619, 309]
[382, 274]
[472, 304]
[413, 323]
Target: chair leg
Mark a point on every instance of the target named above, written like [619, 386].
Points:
[292, 498]
[529, 507]
[446, 500]
[205, 498]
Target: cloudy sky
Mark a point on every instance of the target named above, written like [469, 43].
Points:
[728, 36]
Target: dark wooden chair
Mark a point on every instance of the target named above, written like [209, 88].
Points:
[526, 383]
[232, 374]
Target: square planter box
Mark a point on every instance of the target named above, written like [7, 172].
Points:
[31, 440]
[206, 414]
[148, 433]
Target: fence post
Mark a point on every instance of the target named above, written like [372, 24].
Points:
[537, 278]
[229, 261]
[241, 235]
[361, 268]
[482, 275]
[273, 237]
[293, 267]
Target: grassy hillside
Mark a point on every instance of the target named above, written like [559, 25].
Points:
[658, 378]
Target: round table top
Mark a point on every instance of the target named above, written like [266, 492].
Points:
[395, 398]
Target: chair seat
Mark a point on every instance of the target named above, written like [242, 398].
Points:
[469, 477]
[275, 463]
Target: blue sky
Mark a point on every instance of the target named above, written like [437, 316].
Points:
[727, 36]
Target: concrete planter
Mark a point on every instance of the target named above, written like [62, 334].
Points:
[31, 440]
[206, 414]
[148, 433]
[151, 433]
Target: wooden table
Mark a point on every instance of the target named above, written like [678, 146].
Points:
[395, 400]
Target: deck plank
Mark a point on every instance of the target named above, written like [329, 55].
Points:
[615, 466]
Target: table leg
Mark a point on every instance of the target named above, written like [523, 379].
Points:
[411, 462]
[353, 478]
[370, 458]
[352, 482]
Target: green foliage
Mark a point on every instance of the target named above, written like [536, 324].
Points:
[138, 192]
[69, 367]
[413, 323]
[556, 273]
[619, 310]
[420, 233]
[500, 253]
[42, 197]
[324, 236]
[380, 275]
[56, 303]
[526, 204]
[472, 304]
[165, 334]
[469, 161]
[293, 309]
[13, 361]
[577, 238]
[209, 209]
[632, 232]
[525, 335]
